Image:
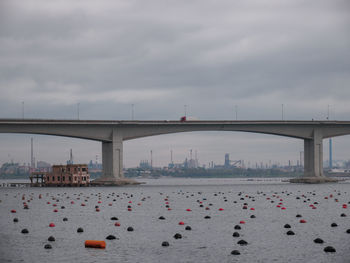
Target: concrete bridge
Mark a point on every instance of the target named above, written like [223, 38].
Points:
[113, 133]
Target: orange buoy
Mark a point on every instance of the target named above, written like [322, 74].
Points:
[181, 223]
[52, 225]
[95, 243]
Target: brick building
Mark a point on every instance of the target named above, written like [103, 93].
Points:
[68, 175]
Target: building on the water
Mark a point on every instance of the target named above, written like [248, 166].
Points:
[63, 175]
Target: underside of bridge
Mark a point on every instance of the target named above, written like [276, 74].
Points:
[112, 161]
[113, 133]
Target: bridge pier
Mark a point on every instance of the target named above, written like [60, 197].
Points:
[313, 161]
[112, 162]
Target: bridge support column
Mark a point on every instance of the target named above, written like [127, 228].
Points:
[112, 162]
[313, 156]
[313, 161]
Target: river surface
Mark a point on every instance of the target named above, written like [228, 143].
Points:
[210, 239]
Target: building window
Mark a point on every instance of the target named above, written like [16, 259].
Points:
[70, 178]
[63, 178]
[83, 169]
[58, 178]
[53, 178]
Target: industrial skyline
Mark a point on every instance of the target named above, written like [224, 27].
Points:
[191, 156]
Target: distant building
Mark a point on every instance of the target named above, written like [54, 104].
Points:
[65, 175]
[42, 164]
[227, 160]
[144, 164]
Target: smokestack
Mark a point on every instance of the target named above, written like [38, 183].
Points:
[171, 156]
[71, 157]
[330, 154]
[151, 159]
[32, 162]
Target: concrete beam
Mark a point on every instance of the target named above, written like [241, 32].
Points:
[313, 155]
[112, 162]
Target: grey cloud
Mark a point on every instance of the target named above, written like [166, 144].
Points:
[161, 55]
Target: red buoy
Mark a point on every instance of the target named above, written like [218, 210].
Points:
[97, 209]
[13, 211]
[188, 210]
[278, 206]
[72, 202]
[99, 202]
[82, 204]
[55, 210]
[252, 208]
[95, 244]
[302, 221]
[110, 204]
[117, 224]
[207, 208]
[181, 223]
[242, 222]
[129, 209]
[283, 208]
[52, 225]
[345, 206]
[221, 209]
[169, 209]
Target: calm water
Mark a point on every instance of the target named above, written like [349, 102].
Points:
[210, 240]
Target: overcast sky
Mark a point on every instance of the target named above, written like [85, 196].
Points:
[160, 55]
